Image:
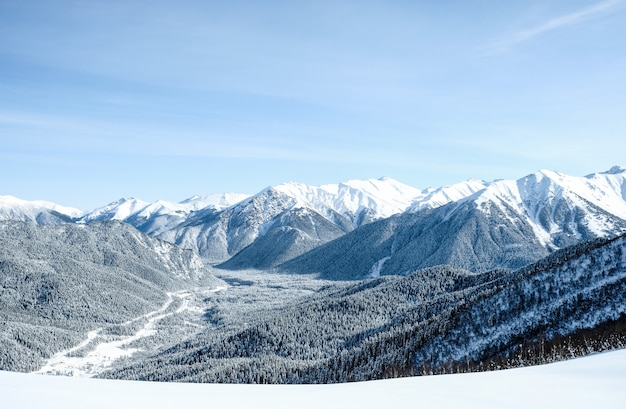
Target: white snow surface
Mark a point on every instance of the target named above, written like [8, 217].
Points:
[377, 267]
[594, 381]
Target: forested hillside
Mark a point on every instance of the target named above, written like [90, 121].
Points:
[58, 282]
[429, 321]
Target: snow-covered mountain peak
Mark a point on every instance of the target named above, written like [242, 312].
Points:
[501, 193]
[218, 201]
[435, 197]
[384, 196]
[13, 208]
[118, 210]
[614, 170]
[383, 185]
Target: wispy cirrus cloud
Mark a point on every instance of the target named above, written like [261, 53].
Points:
[555, 23]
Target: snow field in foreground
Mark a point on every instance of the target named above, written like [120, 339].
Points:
[594, 381]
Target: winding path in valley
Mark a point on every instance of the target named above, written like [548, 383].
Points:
[111, 348]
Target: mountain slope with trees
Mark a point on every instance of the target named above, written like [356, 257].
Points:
[430, 321]
[57, 282]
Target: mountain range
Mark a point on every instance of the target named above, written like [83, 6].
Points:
[365, 228]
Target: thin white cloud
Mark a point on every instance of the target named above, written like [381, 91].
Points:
[567, 20]
[556, 23]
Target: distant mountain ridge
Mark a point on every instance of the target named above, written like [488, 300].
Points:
[363, 228]
[266, 229]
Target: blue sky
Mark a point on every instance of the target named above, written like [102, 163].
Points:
[164, 100]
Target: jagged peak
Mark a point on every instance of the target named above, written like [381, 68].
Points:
[545, 173]
[216, 200]
[614, 170]
[436, 197]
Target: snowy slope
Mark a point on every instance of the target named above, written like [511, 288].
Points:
[543, 211]
[161, 216]
[593, 381]
[536, 214]
[577, 288]
[126, 208]
[38, 211]
[561, 209]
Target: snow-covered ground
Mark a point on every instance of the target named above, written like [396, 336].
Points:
[597, 381]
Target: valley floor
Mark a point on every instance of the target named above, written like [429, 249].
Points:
[594, 381]
[247, 294]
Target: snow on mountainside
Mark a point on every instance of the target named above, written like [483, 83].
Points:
[57, 282]
[37, 211]
[288, 219]
[578, 288]
[125, 208]
[561, 209]
[284, 221]
[509, 223]
[218, 201]
[429, 321]
[384, 197]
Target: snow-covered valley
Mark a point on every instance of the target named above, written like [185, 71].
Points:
[182, 315]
